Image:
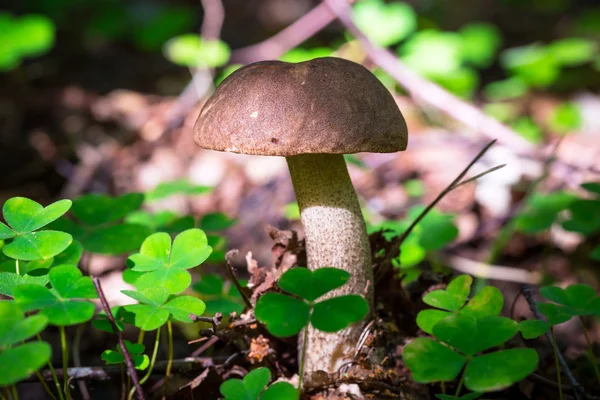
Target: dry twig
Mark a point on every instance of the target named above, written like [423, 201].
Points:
[128, 360]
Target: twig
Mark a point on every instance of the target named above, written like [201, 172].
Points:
[495, 272]
[210, 332]
[109, 372]
[395, 244]
[578, 391]
[274, 47]
[128, 361]
[201, 83]
[429, 92]
[228, 256]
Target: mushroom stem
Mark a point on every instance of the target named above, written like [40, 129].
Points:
[336, 236]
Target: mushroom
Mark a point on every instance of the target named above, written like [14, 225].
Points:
[313, 113]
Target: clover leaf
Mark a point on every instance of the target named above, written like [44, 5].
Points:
[432, 361]
[533, 328]
[488, 302]
[15, 327]
[284, 315]
[97, 209]
[252, 387]
[136, 350]
[62, 305]
[25, 216]
[165, 262]
[385, 24]
[19, 362]
[154, 310]
[575, 300]
[219, 296]
[180, 186]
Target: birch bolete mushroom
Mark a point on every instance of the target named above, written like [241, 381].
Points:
[312, 113]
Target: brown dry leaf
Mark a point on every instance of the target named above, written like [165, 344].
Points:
[259, 349]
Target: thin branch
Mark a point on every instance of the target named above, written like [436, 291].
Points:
[228, 256]
[429, 92]
[128, 360]
[495, 272]
[274, 47]
[578, 391]
[109, 372]
[212, 21]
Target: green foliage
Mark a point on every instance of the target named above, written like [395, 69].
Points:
[480, 43]
[65, 303]
[252, 387]
[300, 55]
[28, 36]
[542, 210]
[384, 24]
[462, 333]
[285, 316]
[136, 350]
[157, 305]
[218, 295]
[165, 262]
[190, 50]
[565, 118]
[25, 216]
[531, 329]
[99, 227]
[527, 128]
[179, 186]
[576, 300]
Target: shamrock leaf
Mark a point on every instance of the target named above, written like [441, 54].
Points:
[310, 285]
[577, 300]
[167, 263]
[25, 215]
[15, 327]
[136, 350]
[10, 280]
[499, 370]
[155, 310]
[431, 361]
[286, 316]
[252, 387]
[37, 245]
[96, 209]
[19, 362]
[62, 305]
[533, 328]
[454, 297]
[385, 24]
[180, 186]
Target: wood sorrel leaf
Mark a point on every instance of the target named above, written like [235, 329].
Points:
[96, 209]
[337, 313]
[310, 285]
[25, 215]
[499, 370]
[283, 315]
[488, 302]
[431, 361]
[19, 362]
[37, 245]
[454, 297]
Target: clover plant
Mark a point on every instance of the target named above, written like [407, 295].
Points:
[140, 360]
[462, 332]
[254, 387]
[286, 315]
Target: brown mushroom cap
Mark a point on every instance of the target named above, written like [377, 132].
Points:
[326, 105]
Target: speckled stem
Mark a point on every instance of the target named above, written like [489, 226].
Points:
[336, 236]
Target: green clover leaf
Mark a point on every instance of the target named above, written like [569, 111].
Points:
[252, 387]
[385, 24]
[431, 361]
[25, 215]
[533, 328]
[286, 316]
[97, 209]
[136, 350]
[166, 263]
[15, 327]
[62, 305]
[19, 362]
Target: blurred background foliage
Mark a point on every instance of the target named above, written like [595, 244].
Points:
[496, 52]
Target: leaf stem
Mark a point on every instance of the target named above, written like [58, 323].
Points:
[17, 267]
[65, 360]
[170, 352]
[45, 385]
[558, 378]
[14, 392]
[53, 373]
[591, 355]
[152, 361]
[460, 384]
[302, 358]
